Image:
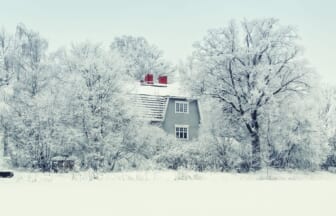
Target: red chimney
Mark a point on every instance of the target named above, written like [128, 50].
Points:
[163, 80]
[149, 79]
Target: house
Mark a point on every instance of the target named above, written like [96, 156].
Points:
[168, 106]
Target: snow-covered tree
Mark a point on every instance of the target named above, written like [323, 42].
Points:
[245, 67]
[141, 57]
[98, 107]
[6, 74]
[293, 133]
[327, 115]
[26, 123]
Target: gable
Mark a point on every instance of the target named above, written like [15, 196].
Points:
[192, 113]
[190, 119]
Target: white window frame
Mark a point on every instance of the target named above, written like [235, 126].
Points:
[184, 103]
[182, 126]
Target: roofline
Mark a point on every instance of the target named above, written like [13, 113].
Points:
[170, 96]
[154, 85]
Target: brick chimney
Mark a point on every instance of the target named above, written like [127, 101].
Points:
[149, 79]
[163, 80]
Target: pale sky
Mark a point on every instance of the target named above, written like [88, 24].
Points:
[173, 25]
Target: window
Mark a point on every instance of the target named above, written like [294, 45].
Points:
[182, 132]
[181, 107]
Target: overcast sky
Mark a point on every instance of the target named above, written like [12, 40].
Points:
[173, 25]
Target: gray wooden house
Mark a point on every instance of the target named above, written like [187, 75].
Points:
[168, 106]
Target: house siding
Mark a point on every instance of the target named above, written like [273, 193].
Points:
[192, 118]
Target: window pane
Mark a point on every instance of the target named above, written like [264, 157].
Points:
[181, 132]
[181, 107]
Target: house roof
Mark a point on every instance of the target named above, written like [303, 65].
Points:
[170, 90]
[152, 100]
[151, 107]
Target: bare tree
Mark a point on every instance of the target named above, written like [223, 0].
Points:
[246, 66]
[141, 57]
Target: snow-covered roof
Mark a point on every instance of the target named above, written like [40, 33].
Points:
[152, 100]
[151, 107]
[171, 90]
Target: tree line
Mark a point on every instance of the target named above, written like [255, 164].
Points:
[262, 103]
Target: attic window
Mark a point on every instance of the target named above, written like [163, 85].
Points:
[182, 132]
[181, 107]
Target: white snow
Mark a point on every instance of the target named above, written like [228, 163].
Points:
[169, 193]
[171, 89]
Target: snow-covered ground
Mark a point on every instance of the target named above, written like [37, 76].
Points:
[169, 193]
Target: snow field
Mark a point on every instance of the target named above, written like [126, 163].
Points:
[168, 193]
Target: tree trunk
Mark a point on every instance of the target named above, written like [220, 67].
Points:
[256, 157]
[253, 128]
[5, 142]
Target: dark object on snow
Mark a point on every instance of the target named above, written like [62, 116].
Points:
[6, 174]
[62, 163]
